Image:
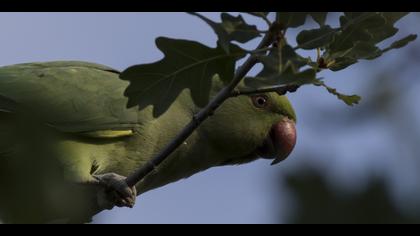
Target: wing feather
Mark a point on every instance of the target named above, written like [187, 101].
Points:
[71, 96]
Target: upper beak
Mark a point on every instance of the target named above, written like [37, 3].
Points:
[280, 142]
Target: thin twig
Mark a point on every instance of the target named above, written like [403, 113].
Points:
[265, 18]
[202, 115]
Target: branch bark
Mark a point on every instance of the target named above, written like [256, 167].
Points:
[201, 116]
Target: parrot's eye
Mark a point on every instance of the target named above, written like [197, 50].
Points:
[260, 101]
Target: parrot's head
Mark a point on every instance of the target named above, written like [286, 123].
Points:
[246, 128]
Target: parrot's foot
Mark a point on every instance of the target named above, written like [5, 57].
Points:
[115, 191]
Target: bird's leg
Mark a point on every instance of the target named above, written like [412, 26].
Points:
[114, 191]
[110, 189]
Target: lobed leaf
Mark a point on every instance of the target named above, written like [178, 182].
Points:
[289, 76]
[186, 64]
[258, 14]
[315, 38]
[403, 42]
[319, 17]
[347, 99]
[232, 28]
[291, 19]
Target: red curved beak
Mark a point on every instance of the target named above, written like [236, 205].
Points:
[280, 142]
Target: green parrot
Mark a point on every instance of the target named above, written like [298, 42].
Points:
[67, 139]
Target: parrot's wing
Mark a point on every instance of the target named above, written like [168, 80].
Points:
[71, 96]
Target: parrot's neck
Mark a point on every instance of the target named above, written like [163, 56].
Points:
[194, 155]
[191, 157]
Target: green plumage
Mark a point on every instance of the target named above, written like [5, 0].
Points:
[71, 96]
[72, 117]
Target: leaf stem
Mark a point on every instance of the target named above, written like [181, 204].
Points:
[262, 31]
[258, 51]
[202, 115]
[281, 90]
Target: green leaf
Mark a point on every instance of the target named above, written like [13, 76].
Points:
[359, 34]
[292, 77]
[291, 19]
[393, 17]
[315, 38]
[232, 28]
[388, 30]
[404, 41]
[358, 26]
[363, 50]
[382, 33]
[258, 14]
[288, 54]
[187, 64]
[347, 99]
[237, 29]
[289, 76]
[351, 32]
[273, 65]
[319, 17]
[353, 15]
[342, 63]
[366, 20]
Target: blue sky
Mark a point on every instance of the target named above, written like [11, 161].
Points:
[240, 194]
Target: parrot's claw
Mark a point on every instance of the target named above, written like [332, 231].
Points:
[115, 191]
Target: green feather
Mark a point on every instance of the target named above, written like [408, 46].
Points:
[70, 96]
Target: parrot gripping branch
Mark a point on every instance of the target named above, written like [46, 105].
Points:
[202, 115]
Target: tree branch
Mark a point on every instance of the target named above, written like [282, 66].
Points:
[202, 115]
